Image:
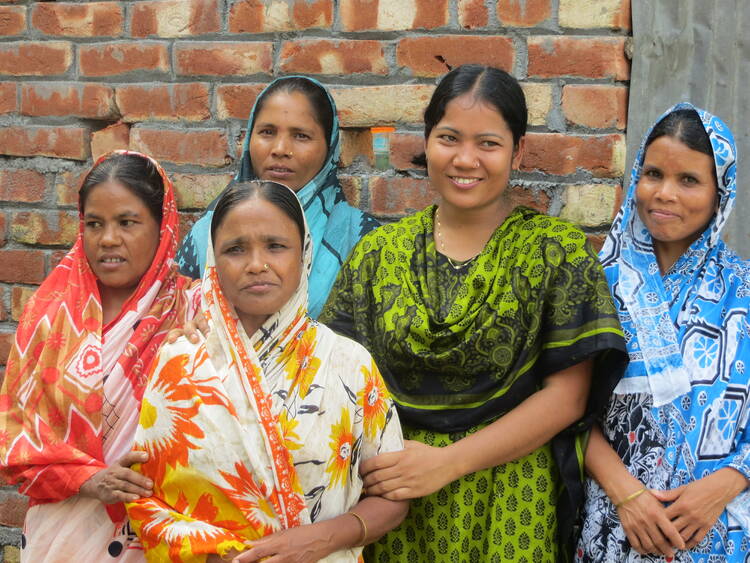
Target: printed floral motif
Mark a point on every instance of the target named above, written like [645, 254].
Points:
[341, 445]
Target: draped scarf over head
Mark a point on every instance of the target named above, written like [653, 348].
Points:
[67, 372]
[335, 226]
[663, 317]
[294, 406]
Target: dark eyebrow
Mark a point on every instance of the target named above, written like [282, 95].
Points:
[123, 215]
[275, 238]
[457, 132]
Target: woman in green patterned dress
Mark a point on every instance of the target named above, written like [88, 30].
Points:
[496, 334]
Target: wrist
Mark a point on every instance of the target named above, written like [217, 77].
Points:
[732, 482]
[455, 462]
[337, 533]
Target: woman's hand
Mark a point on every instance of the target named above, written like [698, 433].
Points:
[648, 528]
[119, 483]
[190, 330]
[697, 506]
[416, 471]
[303, 544]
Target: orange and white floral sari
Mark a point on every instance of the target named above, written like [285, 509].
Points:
[251, 435]
[69, 402]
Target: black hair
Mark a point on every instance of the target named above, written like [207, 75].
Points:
[136, 173]
[272, 192]
[315, 94]
[686, 126]
[487, 84]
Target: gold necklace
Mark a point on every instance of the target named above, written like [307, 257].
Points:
[439, 234]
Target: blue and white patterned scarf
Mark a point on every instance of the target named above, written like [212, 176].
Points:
[335, 225]
[669, 320]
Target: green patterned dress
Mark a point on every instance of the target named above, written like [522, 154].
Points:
[460, 347]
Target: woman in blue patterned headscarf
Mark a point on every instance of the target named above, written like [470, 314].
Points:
[293, 139]
[671, 462]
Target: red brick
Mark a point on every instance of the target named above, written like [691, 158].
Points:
[20, 295]
[120, 58]
[589, 57]
[8, 97]
[308, 14]
[352, 188]
[234, 101]
[365, 106]
[50, 228]
[595, 106]
[67, 185]
[523, 13]
[6, 342]
[333, 57]
[27, 186]
[355, 143]
[435, 55]
[60, 142]
[203, 147]
[35, 58]
[12, 20]
[22, 266]
[174, 102]
[472, 14]
[94, 101]
[529, 197]
[175, 18]
[404, 147]
[74, 19]
[256, 16]
[2, 229]
[113, 137]
[553, 153]
[224, 59]
[396, 197]
[389, 15]
[196, 191]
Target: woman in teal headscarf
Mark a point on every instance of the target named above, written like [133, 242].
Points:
[293, 138]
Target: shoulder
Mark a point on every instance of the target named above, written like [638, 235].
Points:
[547, 230]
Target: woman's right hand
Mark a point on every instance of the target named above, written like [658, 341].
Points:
[190, 330]
[648, 528]
[119, 483]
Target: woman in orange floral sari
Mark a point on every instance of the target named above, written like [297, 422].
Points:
[76, 373]
[255, 436]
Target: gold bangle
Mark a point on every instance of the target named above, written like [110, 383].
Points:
[362, 525]
[630, 497]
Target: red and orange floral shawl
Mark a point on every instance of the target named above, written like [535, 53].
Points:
[251, 435]
[55, 428]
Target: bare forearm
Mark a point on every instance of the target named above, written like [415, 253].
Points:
[606, 467]
[732, 482]
[379, 515]
[527, 427]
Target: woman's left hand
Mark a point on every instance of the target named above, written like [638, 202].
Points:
[416, 471]
[697, 506]
[304, 544]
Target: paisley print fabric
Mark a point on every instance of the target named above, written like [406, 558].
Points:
[504, 513]
[460, 348]
[700, 307]
[335, 226]
[69, 401]
[251, 435]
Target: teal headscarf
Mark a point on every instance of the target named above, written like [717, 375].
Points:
[335, 225]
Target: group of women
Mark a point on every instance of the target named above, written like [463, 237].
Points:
[454, 386]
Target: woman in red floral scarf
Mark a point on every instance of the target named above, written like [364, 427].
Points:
[70, 400]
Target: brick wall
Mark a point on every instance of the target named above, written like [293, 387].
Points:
[176, 79]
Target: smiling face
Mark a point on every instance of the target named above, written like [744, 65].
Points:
[287, 144]
[470, 154]
[676, 195]
[258, 260]
[120, 236]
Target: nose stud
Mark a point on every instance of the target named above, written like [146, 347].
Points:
[266, 266]
[476, 164]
